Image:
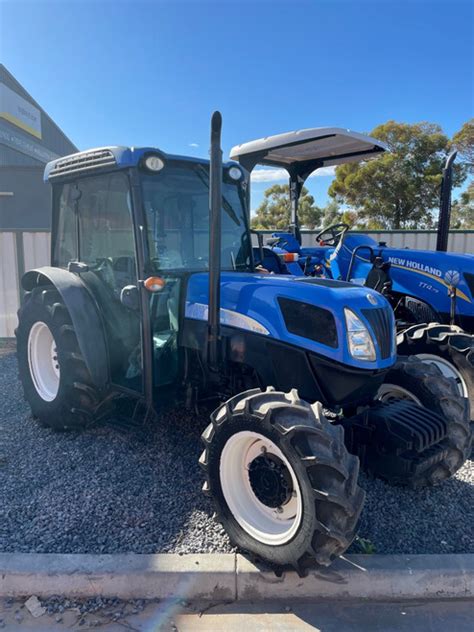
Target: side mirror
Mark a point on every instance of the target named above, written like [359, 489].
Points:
[130, 297]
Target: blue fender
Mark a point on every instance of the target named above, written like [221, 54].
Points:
[84, 314]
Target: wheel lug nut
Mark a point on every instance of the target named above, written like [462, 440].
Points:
[280, 510]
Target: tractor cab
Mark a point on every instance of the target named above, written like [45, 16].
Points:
[126, 216]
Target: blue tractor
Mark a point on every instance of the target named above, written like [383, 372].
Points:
[153, 293]
[431, 292]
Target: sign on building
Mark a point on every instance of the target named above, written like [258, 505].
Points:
[20, 112]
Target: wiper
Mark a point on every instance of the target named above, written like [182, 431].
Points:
[204, 176]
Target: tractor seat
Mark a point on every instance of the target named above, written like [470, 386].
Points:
[271, 261]
[288, 242]
[378, 277]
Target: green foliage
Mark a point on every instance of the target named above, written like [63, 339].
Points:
[399, 189]
[274, 211]
[462, 210]
[365, 546]
[463, 141]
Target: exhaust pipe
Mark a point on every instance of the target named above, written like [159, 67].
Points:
[215, 205]
[445, 204]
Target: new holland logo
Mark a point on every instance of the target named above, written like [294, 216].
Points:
[452, 277]
[416, 266]
[372, 299]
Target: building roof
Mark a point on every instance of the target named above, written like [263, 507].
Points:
[31, 145]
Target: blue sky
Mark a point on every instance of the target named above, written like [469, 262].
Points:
[151, 73]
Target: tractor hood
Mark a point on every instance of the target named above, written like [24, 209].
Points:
[300, 311]
[424, 274]
[308, 149]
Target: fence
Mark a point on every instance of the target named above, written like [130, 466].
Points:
[459, 240]
[23, 250]
[19, 251]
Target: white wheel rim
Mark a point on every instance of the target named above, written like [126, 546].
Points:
[43, 361]
[390, 392]
[266, 524]
[447, 369]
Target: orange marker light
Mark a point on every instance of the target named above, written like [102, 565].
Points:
[290, 256]
[154, 284]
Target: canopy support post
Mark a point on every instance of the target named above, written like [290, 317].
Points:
[296, 186]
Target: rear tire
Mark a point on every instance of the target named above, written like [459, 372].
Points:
[47, 346]
[448, 347]
[283, 484]
[424, 384]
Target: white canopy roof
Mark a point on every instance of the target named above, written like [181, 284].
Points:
[323, 146]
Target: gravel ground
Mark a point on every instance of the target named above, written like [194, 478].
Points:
[112, 489]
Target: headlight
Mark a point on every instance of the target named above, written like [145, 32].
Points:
[361, 345]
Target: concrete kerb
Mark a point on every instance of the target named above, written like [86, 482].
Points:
[217, 577]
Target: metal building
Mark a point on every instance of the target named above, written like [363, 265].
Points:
[28, 140]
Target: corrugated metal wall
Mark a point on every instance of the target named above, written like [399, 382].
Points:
[19, 251]
[8, 284]
[459, 241]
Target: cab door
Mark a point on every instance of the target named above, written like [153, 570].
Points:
[94, 226]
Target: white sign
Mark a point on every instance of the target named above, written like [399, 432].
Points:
[20, 112]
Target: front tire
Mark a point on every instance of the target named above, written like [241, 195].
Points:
[54, 375]
[283, 484]
[446, 346]
[424, 384]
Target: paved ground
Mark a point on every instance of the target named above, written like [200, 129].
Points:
[114, 489]
[303, 617]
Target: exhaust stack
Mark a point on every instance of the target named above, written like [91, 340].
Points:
[215, 205]
[445, 204]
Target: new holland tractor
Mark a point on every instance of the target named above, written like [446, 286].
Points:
[431, 292]
[153, 293]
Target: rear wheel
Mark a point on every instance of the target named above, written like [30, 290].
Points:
[424, 384]
[446, 346]
[54, 375]
[284, 486]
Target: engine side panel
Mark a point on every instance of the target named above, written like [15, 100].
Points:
[250, 302]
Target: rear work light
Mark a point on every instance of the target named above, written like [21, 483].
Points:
[235, 173]
[154, 163]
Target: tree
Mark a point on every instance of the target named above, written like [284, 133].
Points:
[463, 141]
[462, 210]
[331, 213]
[274, 211]
[399, 189]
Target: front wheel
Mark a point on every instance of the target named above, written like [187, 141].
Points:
[284, 486]
[446, 346]
[425, 385]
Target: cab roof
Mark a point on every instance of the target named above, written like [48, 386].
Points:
[308, 149]
[113, 157]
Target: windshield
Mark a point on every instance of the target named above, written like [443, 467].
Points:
[176, 203]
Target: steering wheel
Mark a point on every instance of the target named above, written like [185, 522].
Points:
[332, 235]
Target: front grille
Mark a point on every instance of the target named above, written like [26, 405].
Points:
[470, 282]
[422, 313]
[309, 321]
[382, 324]
[83, 162]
